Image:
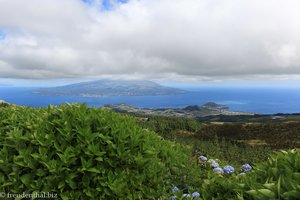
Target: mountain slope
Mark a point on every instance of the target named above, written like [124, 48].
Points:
[110, 88]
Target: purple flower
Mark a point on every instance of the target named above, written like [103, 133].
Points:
[219, 170]
[214, 164]
[228, 169]
[195, 194]
[202, 158]
[175, 189]
[173, 197]
[246, 167]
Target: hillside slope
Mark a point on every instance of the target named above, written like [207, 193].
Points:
[86, 153]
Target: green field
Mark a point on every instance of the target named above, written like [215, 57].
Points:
[78, 152]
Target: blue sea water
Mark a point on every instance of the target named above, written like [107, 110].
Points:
[258, 100]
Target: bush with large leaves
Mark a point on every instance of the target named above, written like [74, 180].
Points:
[276, 178]
[86, 153]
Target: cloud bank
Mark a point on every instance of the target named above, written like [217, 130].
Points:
[202, 39]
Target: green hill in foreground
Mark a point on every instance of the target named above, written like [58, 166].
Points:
[85, 153]
[78, 152]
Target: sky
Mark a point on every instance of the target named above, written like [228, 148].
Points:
[190, 41]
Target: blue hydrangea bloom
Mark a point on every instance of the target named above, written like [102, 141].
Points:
[195, 194]
[228, 169]
[175, 189]
[219, 170]
[173, 197]
[246, 167]
[214, 164]
[187, 196]
[202, 158]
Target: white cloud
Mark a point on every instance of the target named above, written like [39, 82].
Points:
[199, 39]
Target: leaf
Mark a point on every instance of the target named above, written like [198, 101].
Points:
[279, 185]
[93, 169]
[64, 196]
[26, 179]
[35, 155]
[61, 185]
[100, 159]
[291, 194]
[267, 193]
[269, 185]
[296, 176]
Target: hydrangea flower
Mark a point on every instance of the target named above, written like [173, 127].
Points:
[202, 158]
[228, 169]
[173, 197]
[219, 170]
[175, 189]
[187, 196]
[246, 167]
[214, 164]
[195, 195]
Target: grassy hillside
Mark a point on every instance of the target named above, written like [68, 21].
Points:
[277, 135]
[273, 175]
[87, 153]
[227, 140]
[78, 152]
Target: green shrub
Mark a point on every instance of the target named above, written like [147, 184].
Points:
[276, 178]
[87, 153]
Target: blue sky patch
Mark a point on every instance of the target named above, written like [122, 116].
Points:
[88, 1]
[122, 1]
[108, 5]
[2, 35]
[105, 4]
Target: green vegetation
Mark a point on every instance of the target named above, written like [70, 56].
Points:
[4, 104]
[205, 140]
[87, 153]
[256, 118]
[276, 178]
[167, 126]
[277, 135]
[93, 153]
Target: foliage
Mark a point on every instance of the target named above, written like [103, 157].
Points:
[190, 132]
[231, 152]
[87, 153]
[91, 153]
[277, 135]
[276, 178]
[4, 104]
[167, 126]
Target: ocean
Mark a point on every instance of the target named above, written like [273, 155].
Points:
[258, 100]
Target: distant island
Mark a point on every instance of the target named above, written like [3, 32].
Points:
[192, 111]
[102, 88]
[207, 106]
